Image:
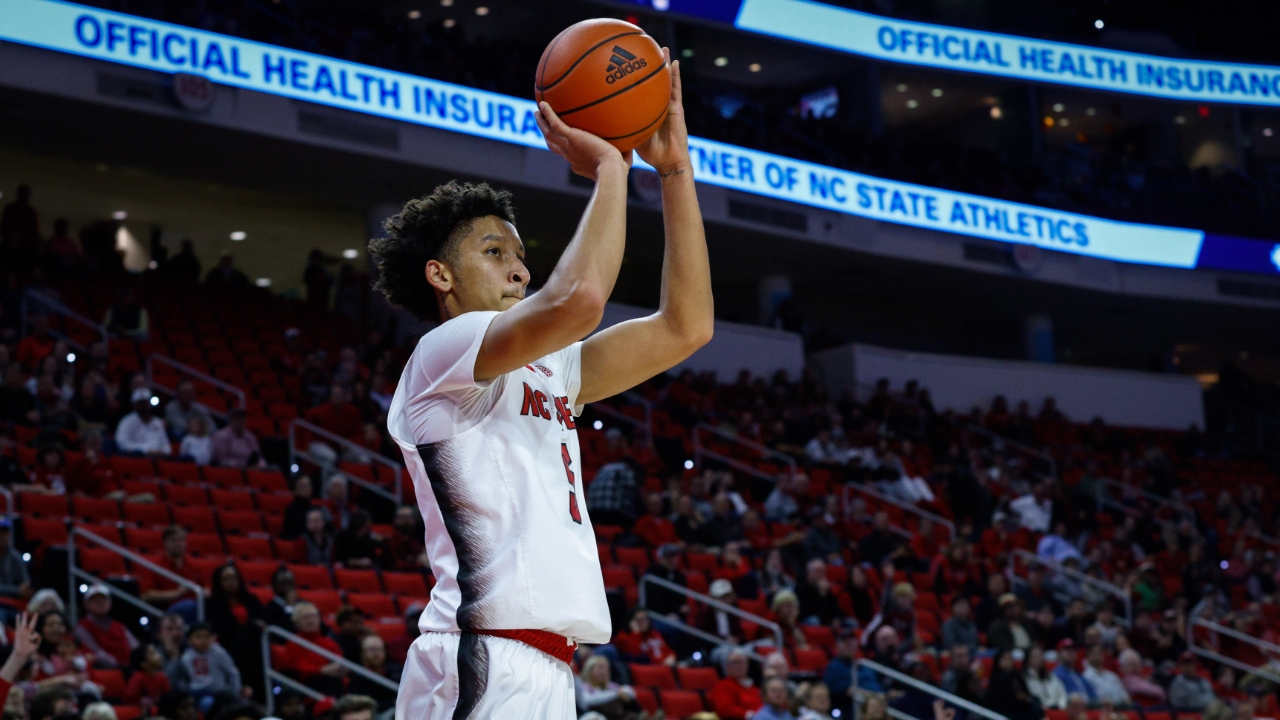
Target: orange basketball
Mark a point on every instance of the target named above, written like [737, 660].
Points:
[606, 77]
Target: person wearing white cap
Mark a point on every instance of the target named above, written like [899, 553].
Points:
[141, 431]
[715, 620]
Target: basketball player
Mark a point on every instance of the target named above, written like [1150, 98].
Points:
[485, 409]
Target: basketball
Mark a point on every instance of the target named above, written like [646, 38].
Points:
[606, 77]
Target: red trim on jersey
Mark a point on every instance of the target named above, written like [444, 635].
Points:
[557, 646]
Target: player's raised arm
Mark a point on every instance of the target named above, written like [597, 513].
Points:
[572, 301]
[629, 353]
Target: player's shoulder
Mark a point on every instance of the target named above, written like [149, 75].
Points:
[461, 329]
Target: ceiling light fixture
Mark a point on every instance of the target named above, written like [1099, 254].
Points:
[238, 235]
[119, 215]
[350, 253]
[482, 11]
[262, 282]
[936, 92]
[754, 67]
[722, 61]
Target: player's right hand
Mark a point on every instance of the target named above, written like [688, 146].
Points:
[585, 152]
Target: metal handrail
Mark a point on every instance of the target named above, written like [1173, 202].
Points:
[659, 619]
[1102, 500]
[131, 556]
[1255, 534]
[1103, 585]
[1202, 651]
[269, 674]
[918, 511]
[63, 310]
[397, 492]
[699, 452]
[923, 687]
[1020, 447]
[201, 376]
[711, 602]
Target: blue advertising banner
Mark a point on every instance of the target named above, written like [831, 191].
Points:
[139, 42]
[1009, 56]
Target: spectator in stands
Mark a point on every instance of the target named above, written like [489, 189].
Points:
[817, 703]
[166, 593]
[881, 543]
[197, 443]
[717, 621]
[225, 276]
[1189, 692]
[178, 705]
[15, 582]
[959, 629]
[98, 711]
[206, 670]
[318, 279]
[236, 616]
[1107, 626]
[1035, 509]
[595, 691]
[613, 496]
[654, 527]
[989, 607]
[37, 345]
[373, 657]
[54, 702]
[317, 539]
[860, 595]
[1140, 689]
[1007, 691]
[735, 696]
[959, 672]
[17, 404]
[127, 318]
[184, 267]
[898, 613]
[777, 701]
[818, 602]
[406, 552]
[662, 600]
[284, 595]
[641, 644]
[914, 702]
[180, 411]
[337, 416]
[148, 682]
[141, 432]
[338, 496]
[171, 639]
[781, 505]
[295, 513]
[356, 546]
[316, 671]
[786, 611]
[24, 645]
[688, 522]
[60, 657]
[1008, 633]
[1034, 595]
[821, 539]
[723, 526]
[1043, 684]
[351, 632]
[839, 671]
[234, 445]
[62, 249]
[109, 640]
[1107, 685]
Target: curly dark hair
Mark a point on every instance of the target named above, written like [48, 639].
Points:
[429, 228]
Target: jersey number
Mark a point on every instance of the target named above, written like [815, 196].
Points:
[573, 496]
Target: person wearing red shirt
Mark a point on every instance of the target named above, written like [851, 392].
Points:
[654, 527]
[307, 666]
[641, 644]
[148, 681]
[37, 346]
[110, 641]
[735, 696]
[163, 591]
[338, 416]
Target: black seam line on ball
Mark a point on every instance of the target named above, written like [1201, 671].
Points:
[616, 93]
[582, 57]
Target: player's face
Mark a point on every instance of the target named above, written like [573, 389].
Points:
[490, 272]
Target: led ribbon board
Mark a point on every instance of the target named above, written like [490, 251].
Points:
[139, 42]
[948, 48]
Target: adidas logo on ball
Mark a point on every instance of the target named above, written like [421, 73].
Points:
[622, 64]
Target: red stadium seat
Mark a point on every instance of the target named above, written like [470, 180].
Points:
[196, 519]
[233, 500]
[403, 583]
[680, 703]
[658, 677]
[360, 581]
[95, 509]
[45, 506]
[133, 467]
[312, 577]
[257, 573]
[223, 477]
[702, 561]
[202, 568]
[44, 531]
[273, 503]
[646, 700]
[329, 602]
[375, 605]
[810, 660]
[240, 522]
[267, 481]
[146, 514]
[144, 540]
[127, 712]
[206, 544]
[262, 427]
[637, 558]
[700, 679]
[110, 533]
[249, 548]
[136, 488]
[100, 562]
[264, 593]
[186, 496]
[186, 472]
[112, 682]
[404, 602]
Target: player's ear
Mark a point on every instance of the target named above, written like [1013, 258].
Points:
[439, 276]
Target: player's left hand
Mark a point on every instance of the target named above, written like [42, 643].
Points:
[669, 146]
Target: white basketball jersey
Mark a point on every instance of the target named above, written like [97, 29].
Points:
[499, 483]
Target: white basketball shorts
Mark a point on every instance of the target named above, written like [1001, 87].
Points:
[454, 676]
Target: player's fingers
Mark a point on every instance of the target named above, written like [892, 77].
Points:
[552, 119]
[677, 91]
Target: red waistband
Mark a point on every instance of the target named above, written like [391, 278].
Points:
[557, 646]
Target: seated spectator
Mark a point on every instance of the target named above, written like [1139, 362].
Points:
[1107, 626]
[688, 522]
[1188, 692]
[197, 443]
[959, 672]
[860, 594]
[641, 644]
[354, 707]
[109, 640]
[54, 702]
[338, 416]
[295, 513]
[781, 505]
[735, 696]
[1106, 684]
[178, 705]
[147, 683]
[171, 639]
[596, 692]
[989, 608]
[786, 611]
[405, 550]
[818, 602]
[318, 541]
[284, 595]
[899, 613]
[337, 497]
[821, 540]
[206, 670]
[716, 621]
[357, 546]
[612, 497]
[774, 576]
[373, 657]
[654, 527]
[182, 409]
[316, 671]
[51, 476]
[881, 543]
[875, 707]
[1035, 509]
[1072, 681]
[234, 445]
[838, 674]
[817, 703]
[15, 582]
[1140, 689]
[236, 616]
[913, 701]
[351, 632]
[141, 432]
[1008, 633]
[1042, 684]
[127, 318]
[822, 449]
[98, 711]
[959, 628]
[777, 701]
[1007, 691]
[60, 656]
[1034, 595]
[166, 593]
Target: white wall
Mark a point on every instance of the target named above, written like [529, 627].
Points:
[761, 350]
[1119, 397]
